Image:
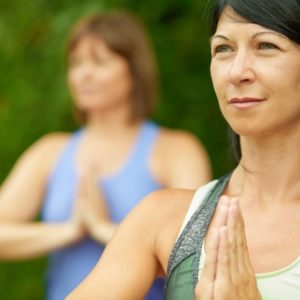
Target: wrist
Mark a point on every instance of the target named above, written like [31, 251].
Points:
[72, 231]
[102, 231]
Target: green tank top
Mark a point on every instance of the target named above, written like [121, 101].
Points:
[183, 265]
[188, 255]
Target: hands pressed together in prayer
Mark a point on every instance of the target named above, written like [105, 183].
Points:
[90, 214]
[227, 273]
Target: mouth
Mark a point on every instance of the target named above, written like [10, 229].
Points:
[87, 91]
[245, 102]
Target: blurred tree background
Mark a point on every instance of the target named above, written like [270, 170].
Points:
[34, 98]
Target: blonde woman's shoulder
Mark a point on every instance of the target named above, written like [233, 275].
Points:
[48, 148]
[182, 159]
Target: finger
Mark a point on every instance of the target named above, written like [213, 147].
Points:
[223, 258]
[204, 292]
[80, 188]
[243, 253]
[79, 203]
[80, 193]
[246, 270]
[220, 218]
[223, 284]
[209, 269]
[233, 240]
[204, 288]
[91, 188]
[94, 198]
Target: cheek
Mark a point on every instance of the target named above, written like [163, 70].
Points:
[122, 77]
[123, 72]
[283, 75]
[297, 82]
[72, 79]
[108, 75]
[218, 77]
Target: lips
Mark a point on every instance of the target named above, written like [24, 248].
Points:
[87, 91]
[245, 100]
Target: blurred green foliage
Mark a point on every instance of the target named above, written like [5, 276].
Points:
[34, 98]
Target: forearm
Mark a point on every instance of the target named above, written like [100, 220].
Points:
[25, 240]
[103, 231]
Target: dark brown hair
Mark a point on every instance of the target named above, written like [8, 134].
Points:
[278, 15]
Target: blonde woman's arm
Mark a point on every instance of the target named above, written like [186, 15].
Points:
[21, 196]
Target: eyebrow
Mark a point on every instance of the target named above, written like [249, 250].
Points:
[268, 32]
[220, 36]
[255, 35]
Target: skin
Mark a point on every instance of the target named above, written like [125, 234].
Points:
[257, 47]
[94, 71]
[252, 58]
[99, 79]
[227, 272]
[263, 192]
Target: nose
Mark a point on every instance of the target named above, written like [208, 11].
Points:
[85, 71]
[241, 69]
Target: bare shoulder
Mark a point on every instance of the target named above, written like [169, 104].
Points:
[165, 201]
[53, 140]
[168, 207]
[46, 149]
[181, 143]
[163, 212]
[175, 137]
[25, 184]
[180, 159]
[161, 205]
[52, 144]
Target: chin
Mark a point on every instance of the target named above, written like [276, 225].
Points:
[91, 104]
[246, 130]
[257, 133]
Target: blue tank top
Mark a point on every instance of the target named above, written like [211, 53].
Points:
[122, 191]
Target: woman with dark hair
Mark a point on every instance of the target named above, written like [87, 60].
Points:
[86, 182]
[238, 238]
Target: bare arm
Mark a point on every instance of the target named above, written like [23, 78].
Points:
[21, 197]
[128, 265]
[139, 249]
[26, 240]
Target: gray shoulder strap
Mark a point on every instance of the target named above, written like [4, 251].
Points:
[190, 240]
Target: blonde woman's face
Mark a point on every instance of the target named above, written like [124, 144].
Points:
[256, 76]
[99, 79]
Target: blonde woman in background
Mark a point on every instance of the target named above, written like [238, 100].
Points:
[84, 183]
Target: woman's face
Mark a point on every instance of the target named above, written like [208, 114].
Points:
[99, 79]
[256, 76]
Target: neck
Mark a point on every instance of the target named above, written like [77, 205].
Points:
[108, 124]
[269, 170]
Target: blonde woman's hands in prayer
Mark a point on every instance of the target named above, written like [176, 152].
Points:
[95, 215]
[77, 221]
[227, 272]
